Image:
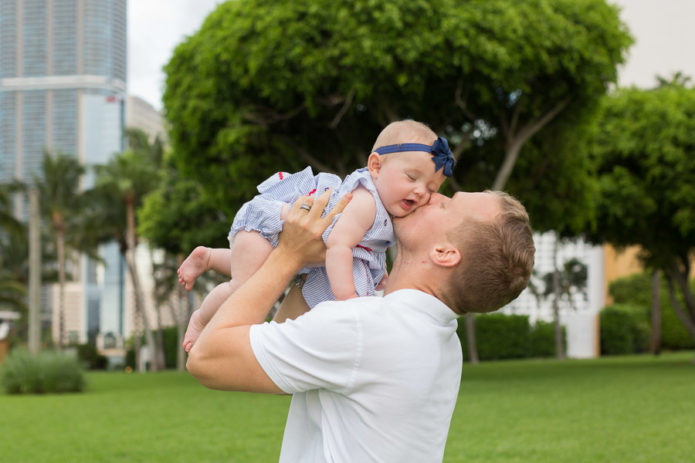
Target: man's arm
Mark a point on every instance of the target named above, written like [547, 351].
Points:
[222, 357]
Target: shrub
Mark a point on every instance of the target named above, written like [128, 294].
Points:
[635, 290]
[171, 345]
[91, 358]
[543, 339]
[501, 336]
[616, 335]
[48, 372]
[623, 330]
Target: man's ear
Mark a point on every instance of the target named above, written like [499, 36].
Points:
[374, 163]
[445, 255]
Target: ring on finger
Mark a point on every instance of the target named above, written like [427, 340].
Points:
[305, 206]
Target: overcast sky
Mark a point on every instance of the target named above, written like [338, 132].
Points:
[665, 39]
[155, 27]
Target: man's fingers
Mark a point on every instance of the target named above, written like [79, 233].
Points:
[338, 208]
[319, 204]
[298, 204]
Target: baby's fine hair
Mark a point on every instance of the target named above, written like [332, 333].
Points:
[405, 131]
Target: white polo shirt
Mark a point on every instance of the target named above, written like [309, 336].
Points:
[373, 379]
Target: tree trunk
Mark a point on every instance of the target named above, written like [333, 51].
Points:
[161, 360]
[34, 273]
[678, 308]
[681, 278]
[559, 344]
[137, 290]
[510, 156]
[161, 357]
[515, 139]
[655, 338]
[60, 248]
[680, 313]
[470, 339]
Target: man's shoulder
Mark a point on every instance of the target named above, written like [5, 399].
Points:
[350, 305]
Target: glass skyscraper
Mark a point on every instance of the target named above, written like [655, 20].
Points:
[62, 88]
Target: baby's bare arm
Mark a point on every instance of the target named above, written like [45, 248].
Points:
[348, 231]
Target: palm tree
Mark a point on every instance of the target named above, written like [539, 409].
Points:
[12, 291]
[8, 223]
[60, 200]
[125, 179]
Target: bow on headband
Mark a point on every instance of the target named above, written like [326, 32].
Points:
[441, 154]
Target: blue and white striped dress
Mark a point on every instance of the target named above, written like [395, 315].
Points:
[262, 214]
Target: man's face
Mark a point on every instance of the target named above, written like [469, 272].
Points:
[430, 223]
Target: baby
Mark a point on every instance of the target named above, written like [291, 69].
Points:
[407, 164]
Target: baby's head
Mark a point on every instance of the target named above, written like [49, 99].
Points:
[405, 176]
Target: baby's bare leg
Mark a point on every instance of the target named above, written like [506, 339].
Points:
[249, 251]
[292, 306]
[201, 260]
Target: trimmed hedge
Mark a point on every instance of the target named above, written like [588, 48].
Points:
[635, 291]
[622, 330]
[499, 336]
[543, 339]
[48, 372]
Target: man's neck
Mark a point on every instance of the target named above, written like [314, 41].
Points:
[413, 273]
[408, 274]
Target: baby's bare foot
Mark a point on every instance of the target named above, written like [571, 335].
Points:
[192, 332]
[194, 265]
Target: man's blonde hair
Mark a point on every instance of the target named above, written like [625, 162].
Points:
[405, 131]
[496, 259]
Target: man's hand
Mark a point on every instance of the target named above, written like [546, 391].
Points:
[300, 240]
[222, 357]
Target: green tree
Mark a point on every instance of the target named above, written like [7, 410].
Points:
[12, 289]
[58, 184]
[286, 83]
[174, 202]
[120, 186]
[8, 222]
[265, 83]
[14, 262]
[645, 152]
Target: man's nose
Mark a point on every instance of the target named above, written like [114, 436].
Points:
[436, 198]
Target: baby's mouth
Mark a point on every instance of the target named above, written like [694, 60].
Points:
[408, 204]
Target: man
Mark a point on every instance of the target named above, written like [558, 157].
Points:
[373, 379]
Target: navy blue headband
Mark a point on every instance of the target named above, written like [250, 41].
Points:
[441, 154]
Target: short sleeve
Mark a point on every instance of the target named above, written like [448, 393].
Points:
[319, 350]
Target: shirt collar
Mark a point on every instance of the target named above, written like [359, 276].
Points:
[423, 302]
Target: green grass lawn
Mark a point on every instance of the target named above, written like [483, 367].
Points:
[622, 409]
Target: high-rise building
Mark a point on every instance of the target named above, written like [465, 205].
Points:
[62, 88]
[139, 114]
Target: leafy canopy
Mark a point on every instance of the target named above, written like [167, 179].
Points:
[276, 85]
[644, 147]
